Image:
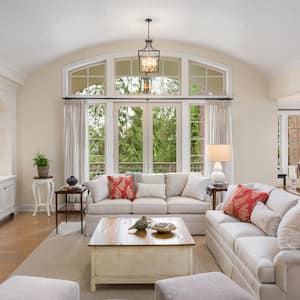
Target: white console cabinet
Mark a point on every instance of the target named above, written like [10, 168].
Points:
[7, 195]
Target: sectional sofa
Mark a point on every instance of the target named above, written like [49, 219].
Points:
[252, 258]
[172, 203]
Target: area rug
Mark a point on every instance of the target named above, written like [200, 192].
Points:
[66, 256]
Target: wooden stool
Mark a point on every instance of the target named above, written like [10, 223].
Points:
[36, 189]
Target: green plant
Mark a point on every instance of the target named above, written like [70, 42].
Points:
[40, 160]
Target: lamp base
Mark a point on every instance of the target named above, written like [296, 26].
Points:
[217, 176]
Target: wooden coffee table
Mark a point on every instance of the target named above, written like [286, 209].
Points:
[122, 256]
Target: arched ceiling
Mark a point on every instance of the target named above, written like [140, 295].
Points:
[264, 33]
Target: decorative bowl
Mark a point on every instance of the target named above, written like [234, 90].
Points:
[163, 227]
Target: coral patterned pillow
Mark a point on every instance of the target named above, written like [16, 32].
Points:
[121, 187]
[243, 202]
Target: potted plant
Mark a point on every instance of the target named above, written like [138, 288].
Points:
[42, 163]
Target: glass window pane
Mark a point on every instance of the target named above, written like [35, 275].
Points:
[78, 85]
[96, 119]
[197, 70]
[123, 68]
[211, 72]
[197, 127]
[130, 126]
[97, 70]
[198, 86]
[135, 68]
[293, 139]
[215, 86]
[171, 68]
[164, 139]
[80, 72]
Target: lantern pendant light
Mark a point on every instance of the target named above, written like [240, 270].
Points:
[148, 56]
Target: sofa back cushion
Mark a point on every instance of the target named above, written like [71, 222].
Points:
[196, 187]
[265, 219]
[175, 183]
[289, 230]
[243, 201]
[98, 187]
[151, 190]
[281, 201]
[154, 178]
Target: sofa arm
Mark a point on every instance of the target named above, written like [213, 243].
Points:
[287, 266]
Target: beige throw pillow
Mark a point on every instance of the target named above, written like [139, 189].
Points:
[289, 230]
[98, 188]
[151, 190]
[196, 187]
[265, 219]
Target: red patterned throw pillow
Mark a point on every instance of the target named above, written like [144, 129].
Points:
[243, 202]
[121, 187]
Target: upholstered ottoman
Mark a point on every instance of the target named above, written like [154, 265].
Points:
[205, 286]
[38, 288]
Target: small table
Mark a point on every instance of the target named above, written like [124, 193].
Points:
[36, 189]
[72, 207]
[212, 191]
[119, 255]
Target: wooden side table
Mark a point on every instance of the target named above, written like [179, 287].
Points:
[70, 207]
[212, 190]
[36, 189]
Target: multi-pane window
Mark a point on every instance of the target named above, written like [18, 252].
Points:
[128, 80]
[88, 80]
[197, 130]
[96, 131]
[293, 139]
[205, 80]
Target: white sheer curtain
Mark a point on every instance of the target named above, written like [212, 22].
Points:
[219, 131]
[75, 140]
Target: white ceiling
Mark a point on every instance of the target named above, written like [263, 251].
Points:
[264, 33]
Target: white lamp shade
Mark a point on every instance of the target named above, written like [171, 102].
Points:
[219, 152]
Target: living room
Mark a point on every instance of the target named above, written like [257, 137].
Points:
[189, 101]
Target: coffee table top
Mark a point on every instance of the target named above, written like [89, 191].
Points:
[114, 232]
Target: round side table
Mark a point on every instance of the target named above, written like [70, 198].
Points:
[36, 189]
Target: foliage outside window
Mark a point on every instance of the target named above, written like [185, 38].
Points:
[129, 82]
[197, 127]
[88, 80]
[96, 129]
[130, 124]
[205, 80]
[164, 139]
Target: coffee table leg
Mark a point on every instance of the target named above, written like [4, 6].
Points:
[56, 213]
[93, 280]
[66, 208]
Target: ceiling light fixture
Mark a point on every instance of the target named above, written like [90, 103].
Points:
[148, 56]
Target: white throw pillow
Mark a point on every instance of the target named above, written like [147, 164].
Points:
[151, 190]
[196, 187]
[289, 230]
[99, 188]
[265, 219]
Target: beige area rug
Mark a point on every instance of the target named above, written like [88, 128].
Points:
[66, 256]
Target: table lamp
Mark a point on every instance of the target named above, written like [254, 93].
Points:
[218, 153]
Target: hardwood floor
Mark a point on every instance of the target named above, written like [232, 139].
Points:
[20, 235]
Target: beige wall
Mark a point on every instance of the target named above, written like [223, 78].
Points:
[40, 117]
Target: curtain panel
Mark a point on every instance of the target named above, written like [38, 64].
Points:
[219, 131]
[75, 140]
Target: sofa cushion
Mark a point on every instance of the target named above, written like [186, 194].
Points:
[196, 187]
[232, 231]
[217, 217]
[175, 183]
[151, 190]
[121, 187]
[243, 201]
[265, 219]
[183, 205]
[98, 187]
[281, 201]
[257, 253]
[289, 230]
[149, 206]
[110, 207]
[154, 178]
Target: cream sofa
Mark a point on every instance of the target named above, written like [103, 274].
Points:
[251, 258]
[192, 211]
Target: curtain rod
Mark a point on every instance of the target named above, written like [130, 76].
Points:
[146, 98]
